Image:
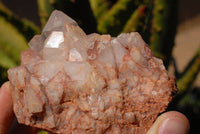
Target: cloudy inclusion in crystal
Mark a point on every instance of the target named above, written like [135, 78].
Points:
[74, 55]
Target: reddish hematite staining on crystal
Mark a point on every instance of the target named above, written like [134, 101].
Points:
[70, 82]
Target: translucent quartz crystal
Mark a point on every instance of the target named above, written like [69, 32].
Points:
[54, 40]
[37, 43]
[54, 47]
[57, 22]
[70, 82]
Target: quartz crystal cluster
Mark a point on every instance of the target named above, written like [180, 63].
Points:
[72, 83]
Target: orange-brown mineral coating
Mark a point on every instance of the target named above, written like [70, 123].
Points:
[89, 83]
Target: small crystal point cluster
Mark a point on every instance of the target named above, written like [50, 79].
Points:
[70, 82]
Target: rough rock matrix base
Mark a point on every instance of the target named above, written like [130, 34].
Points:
[70, 82]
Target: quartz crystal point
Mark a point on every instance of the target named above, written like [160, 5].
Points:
[70, 82]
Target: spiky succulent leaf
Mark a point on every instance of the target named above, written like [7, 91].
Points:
[45, 8]
[27, 28]
[11, 44]
[190, 73]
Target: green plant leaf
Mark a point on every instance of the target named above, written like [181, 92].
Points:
[27, 28]
[190, 73]
[114, 20]
[134, 22]
[42, 132]
[45, 8]
[99, 7]
[11, 43]
[163, 28]
[5, 61]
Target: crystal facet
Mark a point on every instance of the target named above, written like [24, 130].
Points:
[70, 82]
[57, 22]
[54, 40]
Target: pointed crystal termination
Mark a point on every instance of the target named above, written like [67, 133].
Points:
[70, 82]
[54, 47]
[57, 22]
[37, 42]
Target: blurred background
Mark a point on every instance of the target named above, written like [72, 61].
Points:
[170, 27]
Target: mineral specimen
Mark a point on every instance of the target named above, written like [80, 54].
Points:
[70, 82]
